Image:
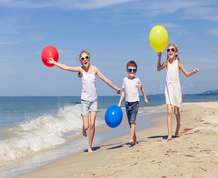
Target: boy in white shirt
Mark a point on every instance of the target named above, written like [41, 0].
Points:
[130, 90]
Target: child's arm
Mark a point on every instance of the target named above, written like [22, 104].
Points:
[121, 97]
[107, 81]
[187, 74]
[143, 92]
[63, 66]
[159, 66]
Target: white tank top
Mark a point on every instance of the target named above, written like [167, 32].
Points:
[89, 92]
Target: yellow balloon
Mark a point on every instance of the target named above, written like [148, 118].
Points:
[158, 38]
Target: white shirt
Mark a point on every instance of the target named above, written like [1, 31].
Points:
[131, 89]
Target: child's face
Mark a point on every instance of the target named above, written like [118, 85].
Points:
[172, 52]
[85, 59]
[131, 71]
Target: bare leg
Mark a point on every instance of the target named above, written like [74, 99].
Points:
[169, 121]
[132, 134]
[177, 114]
[92, 130]
[135, 141]
[85, 125]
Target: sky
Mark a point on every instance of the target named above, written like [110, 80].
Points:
[114, 32]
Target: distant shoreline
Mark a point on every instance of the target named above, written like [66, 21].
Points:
[208, 92]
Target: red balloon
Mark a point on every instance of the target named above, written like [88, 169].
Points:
[49, 52]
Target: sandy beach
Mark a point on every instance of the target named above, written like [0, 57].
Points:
[193, 154]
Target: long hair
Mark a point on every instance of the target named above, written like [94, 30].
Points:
[175, 46]
[84, 51]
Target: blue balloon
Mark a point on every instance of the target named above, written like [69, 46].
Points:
[113, 116]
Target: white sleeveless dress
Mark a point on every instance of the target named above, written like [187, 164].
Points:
[173, 92]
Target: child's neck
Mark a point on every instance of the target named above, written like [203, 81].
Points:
[86, 69]
[130, 77]
[171, 60]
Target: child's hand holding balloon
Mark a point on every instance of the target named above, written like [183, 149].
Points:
[48, 53]
[50, 60]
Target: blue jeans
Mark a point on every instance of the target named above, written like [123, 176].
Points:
[132, 111]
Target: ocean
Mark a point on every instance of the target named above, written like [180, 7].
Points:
[35, 131]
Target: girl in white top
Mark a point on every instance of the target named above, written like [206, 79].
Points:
[173, 93]
[89, 95]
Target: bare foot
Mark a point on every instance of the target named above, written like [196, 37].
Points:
[177, 133]
[131, 142]
[169, 138]
[90, 150]
[84, 132]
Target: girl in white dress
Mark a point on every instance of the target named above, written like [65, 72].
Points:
[173, 93]
[89, 94]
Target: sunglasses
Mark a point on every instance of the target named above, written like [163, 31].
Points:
[172, 49]
[132, 70]
[83, 58]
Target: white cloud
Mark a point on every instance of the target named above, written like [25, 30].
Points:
[26, 4]
[215, 33]
[10, 25]
[67, 4]
[8, 43]
[167, 25]
[172, 6]
[192, 9]
[166, 7]
[93, 4]
[205, 13]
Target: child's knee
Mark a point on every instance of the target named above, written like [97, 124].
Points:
[86, 126]
[176, 113]
[92, 125]
[170, 113]
[132, 124]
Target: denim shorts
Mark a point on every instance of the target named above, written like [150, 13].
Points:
[88, 106]
[131, 111]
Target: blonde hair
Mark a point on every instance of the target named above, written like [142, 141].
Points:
[84, 51]
[175, 46]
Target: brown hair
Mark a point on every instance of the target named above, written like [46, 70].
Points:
[84, 51]
[131, 63]
[175, 46]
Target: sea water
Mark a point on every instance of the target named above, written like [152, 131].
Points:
[37, 130]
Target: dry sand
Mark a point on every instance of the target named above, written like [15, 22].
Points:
[193, 154]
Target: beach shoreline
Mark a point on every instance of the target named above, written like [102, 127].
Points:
[193, 154]
[76, 144]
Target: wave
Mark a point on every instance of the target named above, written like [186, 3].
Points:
[38, 134]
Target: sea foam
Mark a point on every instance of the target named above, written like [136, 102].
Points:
[37, 134]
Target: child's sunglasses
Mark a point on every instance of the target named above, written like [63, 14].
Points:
[172, 49]
[132, 70]
[83, 58]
